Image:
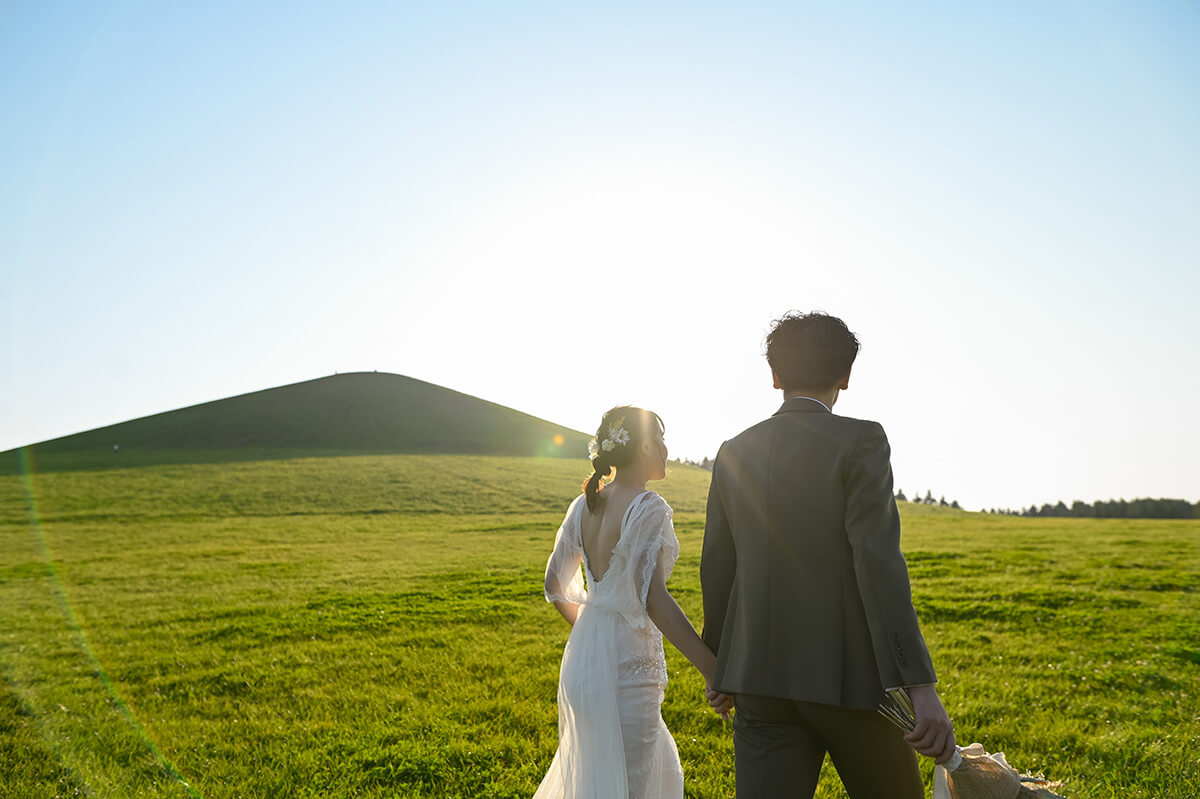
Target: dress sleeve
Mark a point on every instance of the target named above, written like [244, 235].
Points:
[564, 577]
[657, 544]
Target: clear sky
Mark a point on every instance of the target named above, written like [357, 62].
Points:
[562, 207]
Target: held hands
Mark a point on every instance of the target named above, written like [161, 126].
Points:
[706, 663]
[721, 703]
[933, 736]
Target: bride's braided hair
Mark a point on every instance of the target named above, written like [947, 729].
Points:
[621, 433]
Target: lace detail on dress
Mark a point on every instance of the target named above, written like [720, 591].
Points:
[643, 670]
[662, 547]
[657, 546]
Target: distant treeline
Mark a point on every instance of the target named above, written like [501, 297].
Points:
[927, 500]
[1112, 509]
[1146, 508]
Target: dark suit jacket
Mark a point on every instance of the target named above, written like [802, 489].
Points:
[806, 592]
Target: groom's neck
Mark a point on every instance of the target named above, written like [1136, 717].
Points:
[828, 397]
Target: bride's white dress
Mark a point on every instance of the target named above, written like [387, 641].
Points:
[612, 741]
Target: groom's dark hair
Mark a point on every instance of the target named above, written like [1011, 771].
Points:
[810, 351]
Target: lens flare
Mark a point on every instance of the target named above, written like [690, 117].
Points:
[27, 470]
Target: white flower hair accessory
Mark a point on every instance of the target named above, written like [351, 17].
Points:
[617, 436]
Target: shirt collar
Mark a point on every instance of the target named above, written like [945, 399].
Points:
[798, 406]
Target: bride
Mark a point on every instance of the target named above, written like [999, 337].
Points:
[612, 741]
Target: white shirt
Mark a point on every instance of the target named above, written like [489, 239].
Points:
[814, 399]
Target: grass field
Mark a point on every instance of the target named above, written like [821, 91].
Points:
[373, 626]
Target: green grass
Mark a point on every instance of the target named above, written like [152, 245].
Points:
[373, 626]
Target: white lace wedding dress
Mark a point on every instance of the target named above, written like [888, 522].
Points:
[612, 741]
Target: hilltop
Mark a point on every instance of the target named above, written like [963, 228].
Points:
[342, 414]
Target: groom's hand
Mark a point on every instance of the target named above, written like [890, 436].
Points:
[933, 735]
[721, 703]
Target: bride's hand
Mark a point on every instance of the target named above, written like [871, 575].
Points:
[721, 703]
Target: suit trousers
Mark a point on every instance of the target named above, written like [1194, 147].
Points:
[780, 744]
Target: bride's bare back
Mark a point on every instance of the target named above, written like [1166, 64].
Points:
[601, 531]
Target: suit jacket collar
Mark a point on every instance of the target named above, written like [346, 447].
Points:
[802, 405]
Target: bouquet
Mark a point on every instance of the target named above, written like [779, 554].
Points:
[971, 772]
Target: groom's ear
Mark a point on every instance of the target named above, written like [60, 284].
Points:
[775, 377]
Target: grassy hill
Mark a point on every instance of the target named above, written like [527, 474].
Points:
[356, 412]
[373, 626]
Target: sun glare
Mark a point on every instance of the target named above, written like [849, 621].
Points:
[662, 219]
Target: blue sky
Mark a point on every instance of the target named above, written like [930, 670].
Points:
[566, 208]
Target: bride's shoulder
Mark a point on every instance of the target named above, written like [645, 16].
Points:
[581, 513]
[654, 501]
[577, 505]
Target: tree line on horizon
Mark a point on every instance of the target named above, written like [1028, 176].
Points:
[1142, 508]
[927, 499]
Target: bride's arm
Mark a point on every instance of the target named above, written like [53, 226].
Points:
[564, 579]
[558, 586]
[569, 611]
[675, 626]
[666, 614]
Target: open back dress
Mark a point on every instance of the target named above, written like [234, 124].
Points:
[612, 741]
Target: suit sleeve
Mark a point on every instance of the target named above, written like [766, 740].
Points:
[873, 529]
[718, 563]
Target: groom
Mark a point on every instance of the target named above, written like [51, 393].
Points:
[806, 594]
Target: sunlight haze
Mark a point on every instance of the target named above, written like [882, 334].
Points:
[562, 209]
